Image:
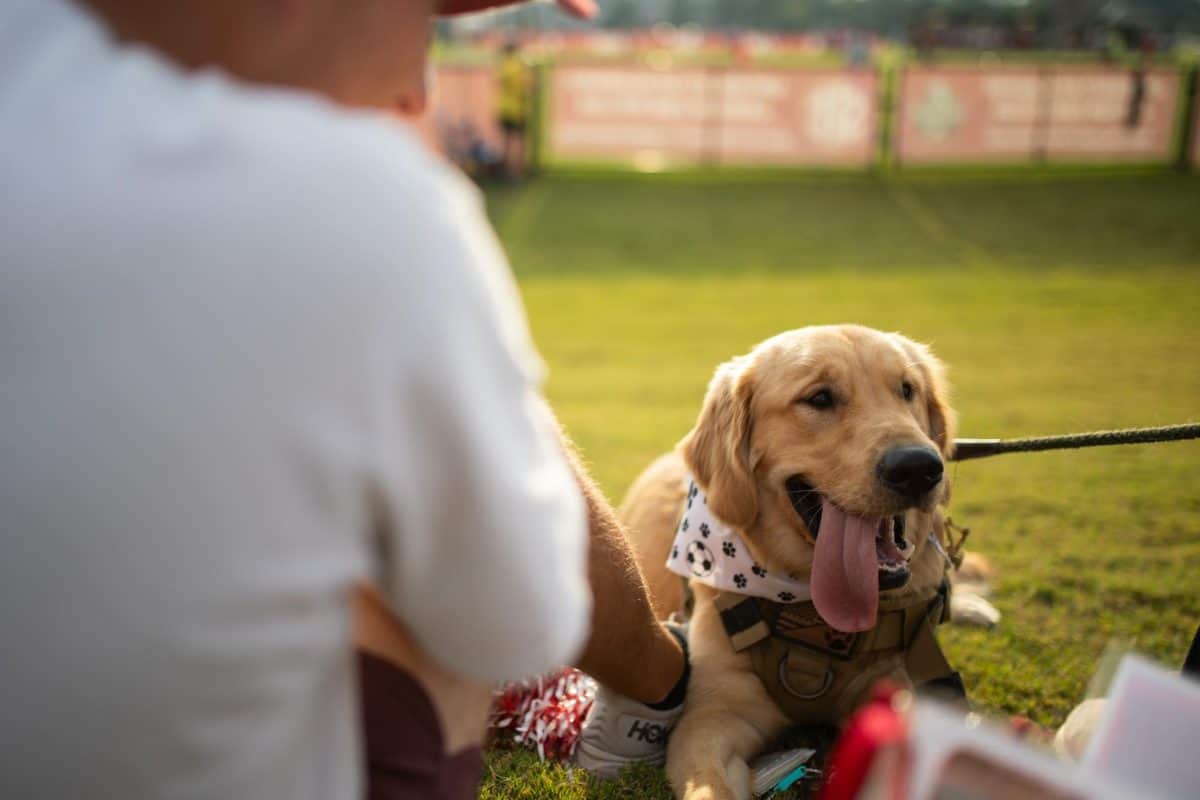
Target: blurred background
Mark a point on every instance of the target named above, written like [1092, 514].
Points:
[1012, 182]
[657, 84]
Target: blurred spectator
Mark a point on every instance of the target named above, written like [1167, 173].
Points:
[466, 146]
[515, 85]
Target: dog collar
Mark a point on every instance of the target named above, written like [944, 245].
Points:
[709, 551]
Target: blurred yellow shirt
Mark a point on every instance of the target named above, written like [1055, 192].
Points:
[514, 89]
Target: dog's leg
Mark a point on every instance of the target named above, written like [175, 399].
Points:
[709, 751]
[728, 717]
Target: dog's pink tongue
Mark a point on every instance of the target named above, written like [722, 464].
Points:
[845, 573]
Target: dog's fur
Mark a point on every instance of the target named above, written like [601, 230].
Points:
[756, 430]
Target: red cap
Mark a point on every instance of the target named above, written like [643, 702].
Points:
[585, 9]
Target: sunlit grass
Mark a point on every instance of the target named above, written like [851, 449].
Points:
[1060, 305]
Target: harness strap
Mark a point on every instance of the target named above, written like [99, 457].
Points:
[925, 660]
[750, 620]
[815, 672]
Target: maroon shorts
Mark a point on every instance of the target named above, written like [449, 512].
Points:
[403, 740]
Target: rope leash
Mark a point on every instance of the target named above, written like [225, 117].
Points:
[966, 449]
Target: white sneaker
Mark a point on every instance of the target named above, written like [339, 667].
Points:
[620, 731]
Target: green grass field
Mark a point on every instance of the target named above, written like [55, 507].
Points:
[1061, 303]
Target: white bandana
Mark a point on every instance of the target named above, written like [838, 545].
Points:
[711, 552]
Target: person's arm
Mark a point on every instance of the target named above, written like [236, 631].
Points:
[483, 526]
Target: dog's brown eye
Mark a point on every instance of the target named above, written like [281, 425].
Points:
[820, 399]
[906, 389]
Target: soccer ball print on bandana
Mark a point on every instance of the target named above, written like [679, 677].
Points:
[700, 560]
[711, 552]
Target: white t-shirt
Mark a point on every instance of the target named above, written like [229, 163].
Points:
[253, 348]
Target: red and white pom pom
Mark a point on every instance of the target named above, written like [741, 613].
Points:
[545, 713]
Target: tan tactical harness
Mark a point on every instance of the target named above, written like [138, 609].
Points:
[818, 675]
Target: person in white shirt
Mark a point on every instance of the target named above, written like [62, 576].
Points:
[258, 348]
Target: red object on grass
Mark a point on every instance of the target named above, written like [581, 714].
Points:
[545, 713]
[586, 9]
[874, 727]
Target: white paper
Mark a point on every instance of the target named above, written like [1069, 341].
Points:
[1147, 736]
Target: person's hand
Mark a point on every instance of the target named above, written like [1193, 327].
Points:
[586, 9]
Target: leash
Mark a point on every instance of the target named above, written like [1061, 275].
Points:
[966, 449]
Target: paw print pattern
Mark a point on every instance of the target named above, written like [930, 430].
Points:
[837, 640]
[704, 530]
[786, 597]
[684, 526]
[759, 571]
[739, 580]
[692, 492]
[674, 553]
[728, 549]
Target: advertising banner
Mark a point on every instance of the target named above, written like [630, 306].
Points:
[632, 113]
[1111, 114]
[952, 115]
[808, 118]
[1028, 114]
[656, 118]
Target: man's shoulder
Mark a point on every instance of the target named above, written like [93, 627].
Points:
[373, 163]
[348, 186]
[143, 164]
[131, 132]
[362, 193]
[310, 158]
[368, 198]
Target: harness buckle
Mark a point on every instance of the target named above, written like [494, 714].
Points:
[742, 619]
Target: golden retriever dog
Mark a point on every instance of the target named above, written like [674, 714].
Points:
[823, 449]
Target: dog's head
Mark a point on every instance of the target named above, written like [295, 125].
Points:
[825, 448]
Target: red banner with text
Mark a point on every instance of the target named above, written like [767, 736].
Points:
[1021, 114]
[656, 118]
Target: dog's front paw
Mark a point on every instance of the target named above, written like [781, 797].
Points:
[732, 784]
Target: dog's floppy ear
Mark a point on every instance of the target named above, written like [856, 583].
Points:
[943, 422]
[717, 450]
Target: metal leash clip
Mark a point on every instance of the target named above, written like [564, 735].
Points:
[954, 550]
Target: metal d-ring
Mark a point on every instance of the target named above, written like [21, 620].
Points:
[804, 695]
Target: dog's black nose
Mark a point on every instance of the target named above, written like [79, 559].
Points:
[910, 470]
